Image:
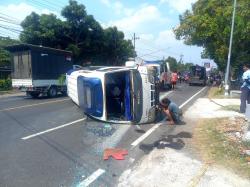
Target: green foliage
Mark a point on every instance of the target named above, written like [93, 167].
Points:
[208, 25]
[62, 79]
[5, 55]
[79, 33]
[5, 84]
[178, 66]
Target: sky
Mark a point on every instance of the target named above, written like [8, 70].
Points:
[152, 21]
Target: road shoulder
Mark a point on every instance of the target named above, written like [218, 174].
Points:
[175, 162]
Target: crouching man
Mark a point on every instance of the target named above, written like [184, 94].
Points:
[172, 111]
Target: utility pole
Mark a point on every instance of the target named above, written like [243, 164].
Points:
[135, 38]
[181, 58]
[230, 51]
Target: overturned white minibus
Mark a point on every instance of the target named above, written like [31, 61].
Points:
[115, 94]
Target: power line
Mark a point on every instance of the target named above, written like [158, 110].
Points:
[10, 29]
[10, 17]
[7, 33]
[42, 5]
[163, 49]
[6, 21]
[3, 34]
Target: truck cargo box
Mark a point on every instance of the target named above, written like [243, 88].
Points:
[37, 68]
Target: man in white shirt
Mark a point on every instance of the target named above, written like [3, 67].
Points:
[245, 88]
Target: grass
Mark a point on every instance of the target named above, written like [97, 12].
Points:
[235, 108]
[216, 92]
[215, 147]
[3, 92]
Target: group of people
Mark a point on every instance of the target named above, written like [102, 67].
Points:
[173, 112]
[177, 77]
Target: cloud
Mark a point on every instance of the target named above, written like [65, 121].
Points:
[142, 20]
[21, 10]
[118, 7]
[179, 5]
[106, 2]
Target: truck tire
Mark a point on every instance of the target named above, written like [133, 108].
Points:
[34, 94]
[52, 92]
[64, 93]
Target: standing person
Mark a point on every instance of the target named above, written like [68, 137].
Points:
[171, 110]
[245, 88]
[174, 78]
[179, 77]
[163, 79]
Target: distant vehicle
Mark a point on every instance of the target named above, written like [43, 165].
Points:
[114, 94]
[197, 75]
[36, 70]
[162, 69]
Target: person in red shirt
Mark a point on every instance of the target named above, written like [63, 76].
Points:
[174, 78]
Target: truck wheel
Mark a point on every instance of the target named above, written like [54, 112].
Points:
[52, 92]
[34, 94]
[64, 93]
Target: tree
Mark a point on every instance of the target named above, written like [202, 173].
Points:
[178, 66]
[42, 30]
[116, 48]
[208, 25]
[79, 33]
[172, 63]
[5, 55]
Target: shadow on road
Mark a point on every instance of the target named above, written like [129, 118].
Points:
[44, 97]
[171, 141]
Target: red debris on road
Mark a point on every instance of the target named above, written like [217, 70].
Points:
[116, 153]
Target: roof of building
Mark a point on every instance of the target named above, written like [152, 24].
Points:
[24, 47]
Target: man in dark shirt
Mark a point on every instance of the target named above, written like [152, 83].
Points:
[171, 110]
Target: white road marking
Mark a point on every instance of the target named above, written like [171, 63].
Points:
[52, 129]
[91, 178]
[141, 138]
[183, 104]
[165, 94]
[37, 104]
[152, 129]
[12, 95]
[11, 99]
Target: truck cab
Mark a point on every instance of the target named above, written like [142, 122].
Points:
[114, 94]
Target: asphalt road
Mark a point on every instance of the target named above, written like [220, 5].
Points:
[49, 142]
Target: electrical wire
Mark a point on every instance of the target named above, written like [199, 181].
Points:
[10, 29]
[10, 18]
[39, 4]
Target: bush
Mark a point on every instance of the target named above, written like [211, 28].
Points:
[5, 84]
[62, 79]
